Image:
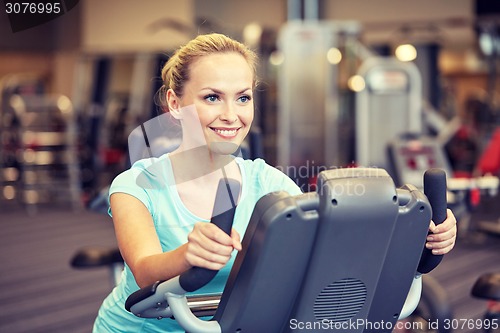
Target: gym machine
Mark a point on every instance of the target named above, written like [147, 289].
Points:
[358, 268]
[37, 144]
[392, 133]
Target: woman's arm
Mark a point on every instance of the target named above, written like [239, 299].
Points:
[207, 245]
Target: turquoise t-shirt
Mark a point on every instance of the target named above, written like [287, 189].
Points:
[150, 181]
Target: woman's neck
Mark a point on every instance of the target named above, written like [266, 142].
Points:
[200, 163]
[197, 173]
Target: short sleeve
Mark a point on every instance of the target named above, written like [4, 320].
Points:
[273, 179]
[141, 181]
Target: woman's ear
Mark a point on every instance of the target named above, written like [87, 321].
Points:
[173, 104]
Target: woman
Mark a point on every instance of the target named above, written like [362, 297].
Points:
[161, 206]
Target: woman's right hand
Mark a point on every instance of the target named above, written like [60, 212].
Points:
[210, 247]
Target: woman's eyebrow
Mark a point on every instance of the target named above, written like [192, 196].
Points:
[243, 91]
[220, 92]
[213, 90]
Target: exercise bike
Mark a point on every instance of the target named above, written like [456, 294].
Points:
[430, 307]
[358, 269]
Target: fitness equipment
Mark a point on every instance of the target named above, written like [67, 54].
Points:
[359, 236]
[309, 113]
[49, 169]
[390, 127]
[93, 257]
[389, 106]
[489, 163]
[10, 142]
[487, 287]
[38, 148]
[410, 155]
[390, 133]
[116, 94]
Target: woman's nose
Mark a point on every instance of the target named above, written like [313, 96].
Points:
[229, 113]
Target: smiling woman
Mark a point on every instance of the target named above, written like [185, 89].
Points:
[161, 206]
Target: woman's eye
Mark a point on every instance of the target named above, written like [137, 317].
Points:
[212, 98]
[244, 99]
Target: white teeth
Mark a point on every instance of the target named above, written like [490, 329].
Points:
[225, 132]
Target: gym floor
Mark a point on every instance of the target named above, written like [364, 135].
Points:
[40, 292]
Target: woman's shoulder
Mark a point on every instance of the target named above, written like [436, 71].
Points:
[256, 166]
[268, 177]
[147, 163]
[263, 166]
[144, 172]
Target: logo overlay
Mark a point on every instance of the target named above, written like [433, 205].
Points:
[164, 134]
[26, 14]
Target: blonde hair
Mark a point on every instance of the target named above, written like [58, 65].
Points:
[175, 73]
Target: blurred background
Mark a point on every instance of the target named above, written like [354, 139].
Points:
[400, 85]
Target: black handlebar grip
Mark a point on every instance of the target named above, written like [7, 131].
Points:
[435, 190]
[223, 214]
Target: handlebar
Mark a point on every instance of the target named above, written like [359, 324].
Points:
[197, 277]
[435, 190]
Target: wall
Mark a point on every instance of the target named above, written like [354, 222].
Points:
[125, 25]
[129, 25]
[383, 18]
[232, 16]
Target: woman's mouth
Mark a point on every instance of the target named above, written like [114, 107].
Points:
[226, 133]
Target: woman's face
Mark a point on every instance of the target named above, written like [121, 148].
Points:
[217, 103]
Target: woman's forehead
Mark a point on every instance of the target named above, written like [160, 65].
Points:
[221, 59]
[221, 67]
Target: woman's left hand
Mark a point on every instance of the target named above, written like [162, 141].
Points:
[442, 237]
